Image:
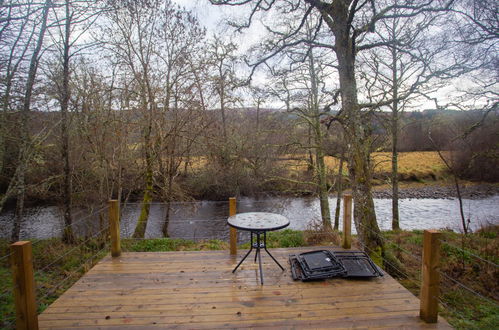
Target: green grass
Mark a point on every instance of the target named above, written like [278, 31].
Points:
[478, 314]
[57, 266]
[6, 298]
[463, 309]
[282, 239]
[171, 244]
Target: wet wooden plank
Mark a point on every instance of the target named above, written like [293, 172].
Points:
[191, 290]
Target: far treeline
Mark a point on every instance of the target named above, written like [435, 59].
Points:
[135, 100]
[267, 151]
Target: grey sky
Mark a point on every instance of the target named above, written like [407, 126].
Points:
[212, 18]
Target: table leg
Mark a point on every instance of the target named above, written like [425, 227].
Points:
[247, 254]
[265, 247]
[259, 256]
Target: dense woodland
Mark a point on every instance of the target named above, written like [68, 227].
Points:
[268, 151]
[137, 100]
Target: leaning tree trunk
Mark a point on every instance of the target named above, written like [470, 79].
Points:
[171, 174]
[320, 165]
[311, 163]
[140, 229]
[323, 191]
[166, 223]
[460, 199]
[360, 140]
[339, 195]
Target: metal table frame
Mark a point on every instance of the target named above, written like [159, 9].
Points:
[259, 244]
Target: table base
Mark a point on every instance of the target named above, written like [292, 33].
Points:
[258, 245]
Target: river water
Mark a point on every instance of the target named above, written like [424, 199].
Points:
[207, 219]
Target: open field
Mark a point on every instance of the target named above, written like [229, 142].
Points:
[413, 166]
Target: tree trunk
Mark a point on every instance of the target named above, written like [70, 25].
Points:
[68, 236]
[310, 165]
[360, 140]
[339, 195]
[323, 193]
[395, 129]
[149, 107]
[167, 217]
[140, 229]
[169, 186]
[321, 170]
[24, 153]
[460, 199]
[21, 189]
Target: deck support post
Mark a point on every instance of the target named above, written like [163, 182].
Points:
[347, 221]
[114, 227]
[233, 231]
[430, 276]
[24, 285]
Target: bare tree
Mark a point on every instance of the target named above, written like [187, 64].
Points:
[302, 75]
[73, 19]
[178, 125]
[17, 32]
[25, 149]
[349, 22]
[305, 84]
[403, 67]
[130, 40]
[447, 155]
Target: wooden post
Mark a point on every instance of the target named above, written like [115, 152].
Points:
[24, 285]
[347, 221]
[430, 276]
[233, 231]
[114, 227]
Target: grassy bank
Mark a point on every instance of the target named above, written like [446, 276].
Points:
[412, 166]
[468, 278]
[470, 260]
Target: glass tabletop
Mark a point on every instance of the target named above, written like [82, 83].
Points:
[256, 221]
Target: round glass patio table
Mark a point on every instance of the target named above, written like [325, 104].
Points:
[258, 224]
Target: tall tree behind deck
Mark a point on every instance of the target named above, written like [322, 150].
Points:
[348, 22]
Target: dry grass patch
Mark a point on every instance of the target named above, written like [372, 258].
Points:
[413, 166]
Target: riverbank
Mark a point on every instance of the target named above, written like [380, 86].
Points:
[438, 190]
[207, 219]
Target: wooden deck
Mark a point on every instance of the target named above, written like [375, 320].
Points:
[194, 290]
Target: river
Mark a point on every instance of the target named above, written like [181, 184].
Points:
[207, 219]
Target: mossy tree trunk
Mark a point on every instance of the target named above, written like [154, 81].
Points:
[148, 105]
[395, 131]
[318, 135]
[140, 228]
[339, 195]
[170, 175]
[357, 131]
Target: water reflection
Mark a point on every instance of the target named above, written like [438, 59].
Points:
[207, 219]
